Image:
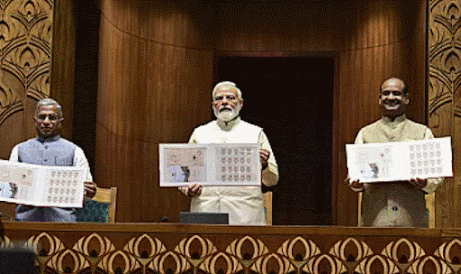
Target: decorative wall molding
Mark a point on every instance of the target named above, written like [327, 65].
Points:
[444, 54]
[444, 98]
[173, 248]
[25, 52]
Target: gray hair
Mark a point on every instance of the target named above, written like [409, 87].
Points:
[229, 84]
[48, 102]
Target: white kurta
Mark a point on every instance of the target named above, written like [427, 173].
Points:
[244, 204]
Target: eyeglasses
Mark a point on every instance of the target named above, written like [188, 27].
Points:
[52, 117]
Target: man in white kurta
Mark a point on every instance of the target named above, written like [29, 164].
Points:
[400, 203]
[243, 204]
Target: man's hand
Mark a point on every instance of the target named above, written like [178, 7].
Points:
[90, 189]
[355, 185]
[418, 182]
[194, 190]
[264, 157]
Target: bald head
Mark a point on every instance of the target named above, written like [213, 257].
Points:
[395, 83]
[393, 98]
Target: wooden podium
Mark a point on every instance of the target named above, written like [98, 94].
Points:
[178, 248]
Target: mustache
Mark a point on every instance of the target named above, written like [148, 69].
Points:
[392, 101]
[225, 108]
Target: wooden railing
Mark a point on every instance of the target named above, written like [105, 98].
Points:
[177, 248]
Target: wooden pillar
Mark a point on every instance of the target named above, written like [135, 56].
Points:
[444, 99]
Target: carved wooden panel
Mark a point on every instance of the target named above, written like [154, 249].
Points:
[444, 98]
[25, 52]
[25, 69]
[166, 248]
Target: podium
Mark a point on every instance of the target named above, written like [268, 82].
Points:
[202, 248]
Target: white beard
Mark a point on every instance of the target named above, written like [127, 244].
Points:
[226, 115]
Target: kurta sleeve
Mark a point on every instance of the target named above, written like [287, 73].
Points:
[193, 139]
[80, 160]
[359, 138]
[270, 175]
[358, 141]
[432, 183]
[14, 155]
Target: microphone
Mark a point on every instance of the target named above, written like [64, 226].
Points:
[163, 219]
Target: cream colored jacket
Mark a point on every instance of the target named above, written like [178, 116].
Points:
[395, 203]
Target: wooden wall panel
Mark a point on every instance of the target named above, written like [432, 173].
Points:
[25, 63]
[154, 53]
[156, 74]
[444, 93]
[381, 42]
[278, 26]
[154, 87]
[32, 45]
[373, 39]
[36, 38]
[63, 61]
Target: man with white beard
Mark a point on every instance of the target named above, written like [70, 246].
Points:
[243, 204]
